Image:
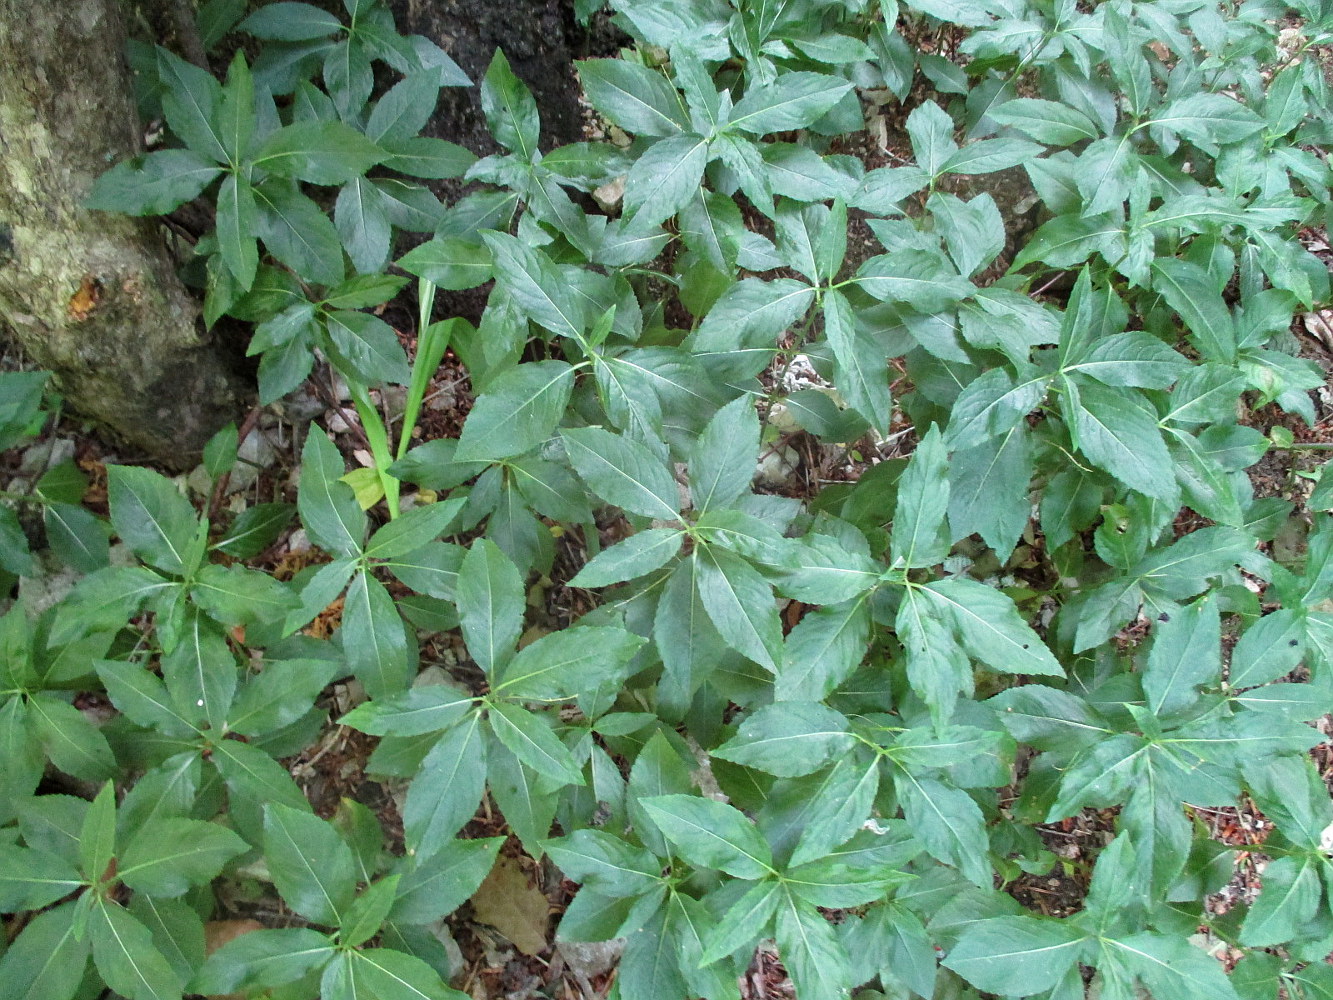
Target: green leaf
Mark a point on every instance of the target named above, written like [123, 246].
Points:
[126, 957]
[381, 972]
[291, 22]
[917, 278]
[1171, 967]
[721, 459]
[527, 799]
[237, 225]
[328, 153]
[405, 109]
[263, 959]
[993, 404]
[972, 230]
[97, 835]
[151, 517]
[363, 225]
[76, 536]
[1269, 649]
[683, 633]
[69, 739]
[519, 411]
[1206, 118]
[296, 231]
[814, 957]
[34, 879]
[200, 672]
[377, 648]
[154, 184]
[622, 472]
[531, 740]
[369, 346]
[166, 857]
[839, 802]
[606, 863]
[1015, 956]
[919, 537]
[191, 99]
[280, 694]
[862, 374]
[445, 792]
[234, 595]
[1190, 291]
[536, 285]
[931, 131]
[752, 313]
[631, 95]
[368, 912]
[564, 664]
[788, 739]
[664, 179]
[490, 603]
[990, 628]
[947, 822]
[635, 556]
[433, 887]
[254, 775]
[793, 101]
[988, 491]
[419, 710]
[48, 959]
[415, 528]
[1119, 433]
[990, 155]
[1186, 654]
[937, 668]
[740, 603]
[711, 834]
[1046, 121]
[311, 865]
[1286, 907]
[452, 262]
[823, 649]
[327, 505]
[510, 110]
[255, 529]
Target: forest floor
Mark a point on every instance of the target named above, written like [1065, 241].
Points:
[504, 936]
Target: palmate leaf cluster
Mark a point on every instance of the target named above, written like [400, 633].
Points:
[836, 723]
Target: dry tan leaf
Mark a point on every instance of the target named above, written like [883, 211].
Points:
[220, 932]
[1320, 326]
[513, 906]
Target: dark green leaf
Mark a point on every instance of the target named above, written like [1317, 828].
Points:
[151, 517]
[519, 411]
[155, 184]
[633, 96]
[311, 865]
[710, 834]
[623, 472]
[328, 507]
[126, 957]
[564, 664]
[490, 603]
[788, 739]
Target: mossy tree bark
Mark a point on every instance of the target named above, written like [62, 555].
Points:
[94, 296]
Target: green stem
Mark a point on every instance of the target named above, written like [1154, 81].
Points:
[432, 341]
[378, 438]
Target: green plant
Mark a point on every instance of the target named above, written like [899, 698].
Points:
[721, 772]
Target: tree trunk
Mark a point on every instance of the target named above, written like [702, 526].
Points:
[93, 296]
